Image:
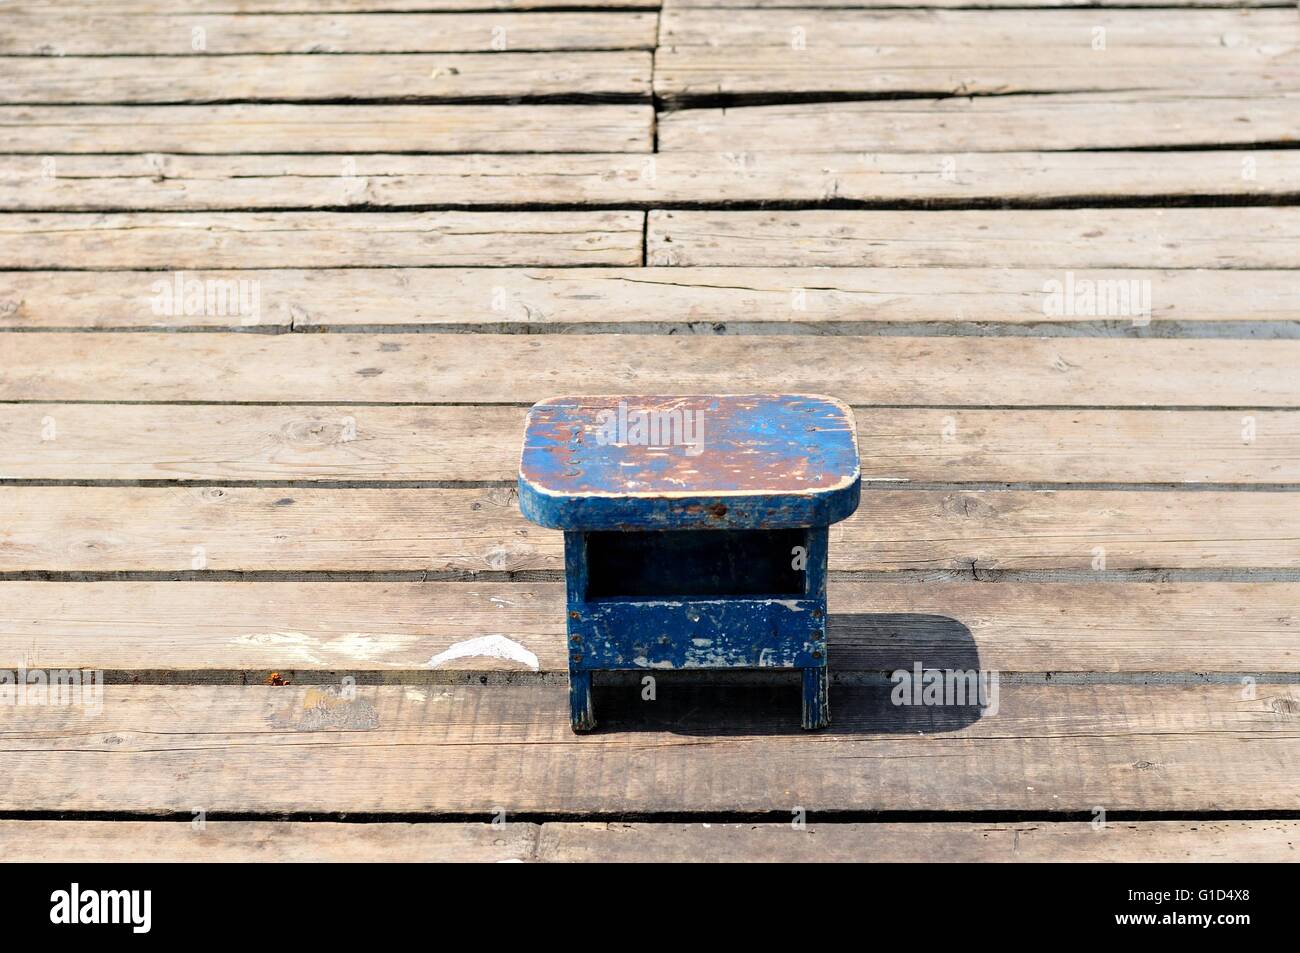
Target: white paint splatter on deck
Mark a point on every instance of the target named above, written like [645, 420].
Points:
[487, 646]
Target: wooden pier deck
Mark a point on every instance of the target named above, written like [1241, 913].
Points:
[279, 278]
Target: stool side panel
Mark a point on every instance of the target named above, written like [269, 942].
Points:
[544, 509]
[704, 511]
[700, 634]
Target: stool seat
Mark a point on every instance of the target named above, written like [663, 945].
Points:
[768, 461]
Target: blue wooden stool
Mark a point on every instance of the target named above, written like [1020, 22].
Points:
[695, 531]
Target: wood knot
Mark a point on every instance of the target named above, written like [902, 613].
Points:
[1285, 705]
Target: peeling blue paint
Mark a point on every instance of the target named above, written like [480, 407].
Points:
[714, 633]
[751, 461]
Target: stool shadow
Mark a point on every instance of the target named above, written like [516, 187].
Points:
[869, 693]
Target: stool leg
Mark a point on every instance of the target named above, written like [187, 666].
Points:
[582, 715]
[816, 697]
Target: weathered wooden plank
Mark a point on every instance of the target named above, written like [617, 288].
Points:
[147, 442]
[560, 842]
[1116, 120]
[142, 7]
[164, 182]
[476, 748]
[272, 128]
[516, 368]
[317, 239]
[685, 73]
[307, 78]
[392, 627]
[476, 443]
[1099, 238]
[1024, 842]
[1066, 238]
[153, 7]
[171, 34]
[1079, 446]
[175, 529]
[710, 299]
[878, 4]
[295, 842]
[1101, 32]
